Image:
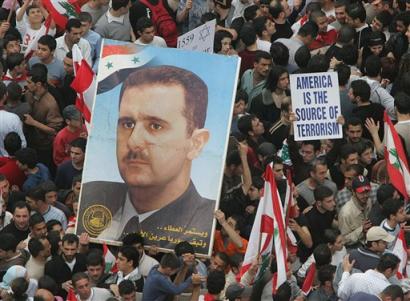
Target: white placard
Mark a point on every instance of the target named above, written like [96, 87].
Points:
[316, 103]
[199, 39]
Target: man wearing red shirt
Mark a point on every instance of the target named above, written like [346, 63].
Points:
[75, 128]
[228, 240]
[327, 34]
[8, 166]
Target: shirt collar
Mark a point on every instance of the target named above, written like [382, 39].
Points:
[403, 122]
[111, 18]
[90, 298]
[363, 27]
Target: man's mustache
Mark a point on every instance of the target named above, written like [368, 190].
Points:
[132, 155]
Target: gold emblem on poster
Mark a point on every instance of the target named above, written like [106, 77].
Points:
[96, 219]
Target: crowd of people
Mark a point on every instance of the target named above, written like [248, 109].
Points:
[346, 218]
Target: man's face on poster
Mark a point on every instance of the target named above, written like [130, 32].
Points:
[153, 143]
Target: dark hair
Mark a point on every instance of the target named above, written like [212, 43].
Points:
[248, 34]
[170, 260]
[239, 221]
[35, 219]
[142, 24]
[250, 12]
[85, 17]
[391, 207]
[27, 156]
[404, 17]
[224, 257]
[132, 239]
[72, 23]
[79, 143]
[354, 121]
[79, 276]
[373, 66]
[348, 54]
[260, 24]
[346, 35]
[14, 91]
[259, 55]
[131, 254]
[37, 193]
[51, 223]
[315, 143]
[283, 293]
[316, 14]
[245, 124]
[279, 53]
[48, 41]
[95, 258]
[241, 95]
[389, 68]
[126, 287]
[318, 63]
[357, 11]
[215, 282]
[3, 90]
[276, 9]
[273, 78]
[19, 287]
[35, 246]
[38, 73]
[308, 29]
[303, 56]
[10, 38]
[402, 103]
[322, 255]
[30, 7]
[343, 73]
[196, 91]
[70, 239]
[361, 88]
[117, 4]
[14, 59]
[8, 242]
[394, 291]
[385, 18]
[69, 54]
[321, 192]
[48, 283]
[233, 158]
[21, 205]
[54, 238]
[347, 150]
[313, 6]
[331, 235]
[219, 36]
[326, 273]
[387, 261]
[12, 143]
[362, 146]
[357, 168]
[183, 247]
[316, 162]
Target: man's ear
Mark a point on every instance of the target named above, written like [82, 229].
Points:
[199, 139]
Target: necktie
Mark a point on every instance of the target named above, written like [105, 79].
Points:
[132, 226]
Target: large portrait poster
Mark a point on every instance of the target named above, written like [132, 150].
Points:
[156, 149]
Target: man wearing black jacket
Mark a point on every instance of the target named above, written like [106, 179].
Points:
[62, 267]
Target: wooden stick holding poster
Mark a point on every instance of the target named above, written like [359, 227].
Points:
[316, 103]
[199, 39]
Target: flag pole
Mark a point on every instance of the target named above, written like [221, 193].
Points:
[13, 7]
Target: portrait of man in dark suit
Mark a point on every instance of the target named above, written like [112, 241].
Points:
[160, 131]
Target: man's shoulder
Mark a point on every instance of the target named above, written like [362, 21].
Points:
[101, 293]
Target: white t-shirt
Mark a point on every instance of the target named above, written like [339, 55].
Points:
[157, 41]
[28, 34]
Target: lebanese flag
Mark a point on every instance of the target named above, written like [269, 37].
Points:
[396, 160]
[32, 46]
[310, 277]
[62, 10]
[84, 84]
[400, 250]
[267, 229]
[71, 296]
[110, 260]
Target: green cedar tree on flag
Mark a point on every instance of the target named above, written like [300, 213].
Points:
[62, 10]
[268, 230]
[396, 161]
